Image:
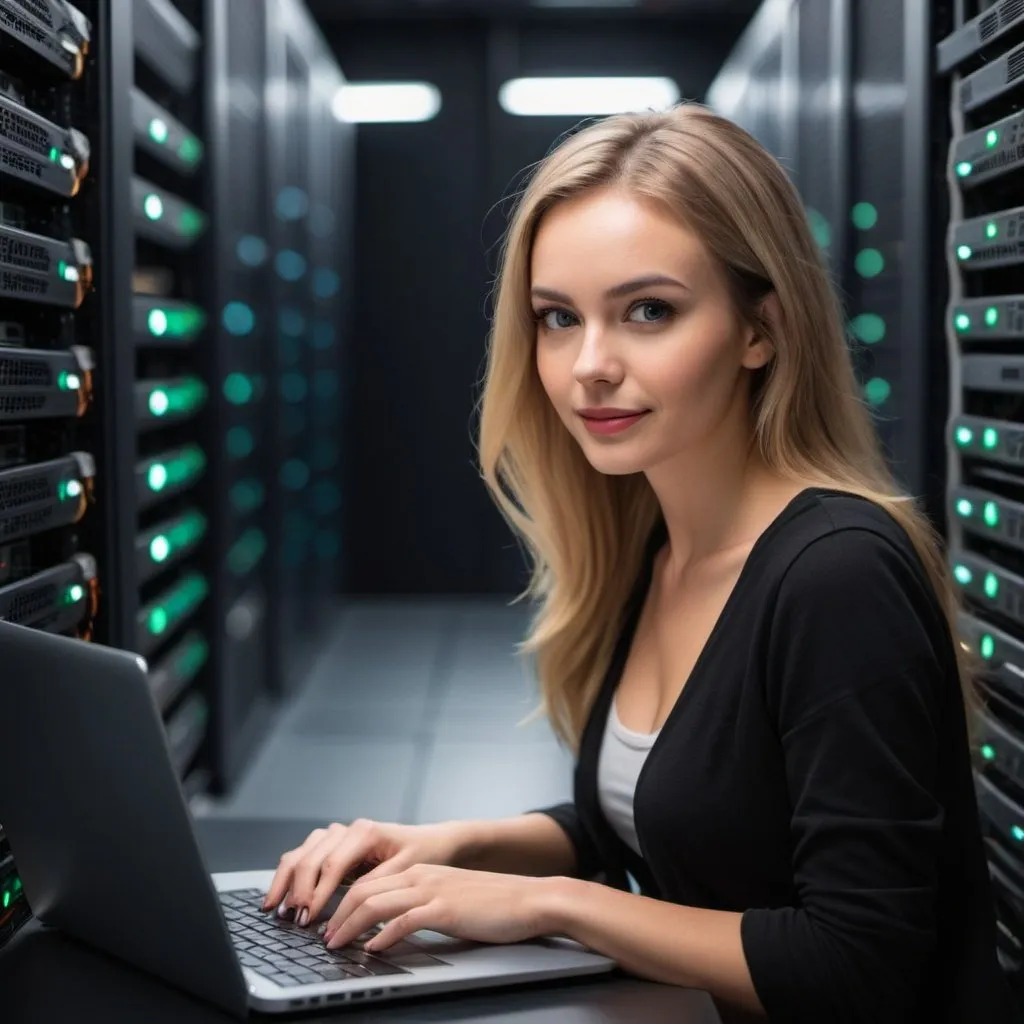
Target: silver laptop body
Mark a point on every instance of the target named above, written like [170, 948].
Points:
[103, 840]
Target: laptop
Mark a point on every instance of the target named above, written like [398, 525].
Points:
[104, 844]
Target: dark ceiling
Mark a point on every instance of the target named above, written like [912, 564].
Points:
[732, 13]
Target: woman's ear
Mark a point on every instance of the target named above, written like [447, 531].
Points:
[760, 348]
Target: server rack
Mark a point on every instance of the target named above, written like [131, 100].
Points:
[981, 65]
[837, 91]
[55, 450]
[309, 195]
[166, 202]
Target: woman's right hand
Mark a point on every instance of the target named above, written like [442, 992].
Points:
[308, 876]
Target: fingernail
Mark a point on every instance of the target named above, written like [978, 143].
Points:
[327, 937]
[282, 911]
[304, 918]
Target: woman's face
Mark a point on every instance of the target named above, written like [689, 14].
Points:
[639, 347]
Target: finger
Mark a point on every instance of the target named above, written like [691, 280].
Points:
[381, 907]
[358, 844]
[286, 867]
[310, 868]
[394, 866]
[359, 893]
[427, 915]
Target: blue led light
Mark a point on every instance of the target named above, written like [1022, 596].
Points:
[325, 283]
[238, 319]
[289, 350]
[294, 387]
[321, 224]
[251, 250]
[290, 265]
[292, 203]
[326, 497]
[323, 335]
[294, 475]
[291, 321]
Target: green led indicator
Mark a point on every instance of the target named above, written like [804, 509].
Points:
[238, 388]
[68, 381]
[991, 514]
[159, 402]
[987, 646]
[962, 322]
[991, 229]
[962, 574]
[158, 130]
[153, 206]
[190, 150]
[992, 138]
[991, 585]
[157, 322]
[1018, 833]
[990, 437]
[877, 391]
[964, 252]
[964, 436]
[156, 478]
[964, 508]
[54, 154]
[159, 548]
[868, 328]
[75, 593]
[991, 316]
[7, 899]
[157, 621]
[869, 263]
[864, 216]
[988, 752]
[69, 489]
[964, 168]
[820, 228]
[191, 222]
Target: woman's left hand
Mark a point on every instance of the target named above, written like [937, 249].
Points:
[479, 906]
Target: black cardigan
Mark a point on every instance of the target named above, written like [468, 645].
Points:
[815, 776]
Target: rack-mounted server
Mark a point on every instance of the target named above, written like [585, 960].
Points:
[38, 268]
[36, 151]
[52, 29]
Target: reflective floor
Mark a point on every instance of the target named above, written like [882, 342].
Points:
[412, 714]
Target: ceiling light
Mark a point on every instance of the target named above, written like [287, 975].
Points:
[387, 102]
[582, 97]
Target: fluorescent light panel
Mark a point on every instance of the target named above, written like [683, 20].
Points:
[582, 97]
[387, 102]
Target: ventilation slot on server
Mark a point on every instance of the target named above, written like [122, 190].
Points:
[52, 29]
[991, 81]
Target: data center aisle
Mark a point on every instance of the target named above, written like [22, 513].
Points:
[413, 715]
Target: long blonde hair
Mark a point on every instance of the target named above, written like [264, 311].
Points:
[587, 532]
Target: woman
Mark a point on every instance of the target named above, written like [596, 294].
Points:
[743, 632]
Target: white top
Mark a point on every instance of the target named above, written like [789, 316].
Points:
[623, 753]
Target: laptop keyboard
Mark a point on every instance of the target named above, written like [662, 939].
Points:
[288, 955]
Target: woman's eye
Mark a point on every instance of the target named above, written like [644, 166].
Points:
[650, 312]
[557, 319]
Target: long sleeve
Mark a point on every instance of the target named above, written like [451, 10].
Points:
[858, 681]
[588, 859]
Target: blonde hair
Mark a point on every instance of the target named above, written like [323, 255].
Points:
[587, 532]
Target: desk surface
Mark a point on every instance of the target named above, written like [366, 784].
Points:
[45, 977]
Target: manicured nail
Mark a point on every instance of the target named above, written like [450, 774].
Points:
[282, 911]
[304, 917]
[327, 938]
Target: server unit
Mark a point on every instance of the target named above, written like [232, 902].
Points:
[980, 63]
